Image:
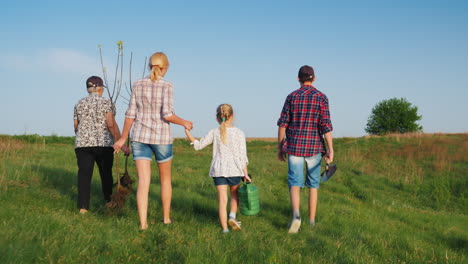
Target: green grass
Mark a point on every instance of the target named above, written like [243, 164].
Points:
[394, 199]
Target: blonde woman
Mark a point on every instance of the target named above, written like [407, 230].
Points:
[149, 114]
[229, 163]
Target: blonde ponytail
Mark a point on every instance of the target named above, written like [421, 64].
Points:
[223, 113]
[157, 63]
[222, 130]
[155, 73]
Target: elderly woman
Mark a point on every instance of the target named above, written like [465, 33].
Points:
[96, 131]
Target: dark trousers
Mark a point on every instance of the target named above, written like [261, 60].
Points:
[86, 157]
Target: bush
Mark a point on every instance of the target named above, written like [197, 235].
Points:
[53, 139]
[393, 116]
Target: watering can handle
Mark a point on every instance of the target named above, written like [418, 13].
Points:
[247, 185]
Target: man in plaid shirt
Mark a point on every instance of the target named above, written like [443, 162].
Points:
[304, 122]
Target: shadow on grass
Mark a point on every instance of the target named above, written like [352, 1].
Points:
[65, 182]
[198, 205]
[278, 216]
[59, 179]
[455, 241]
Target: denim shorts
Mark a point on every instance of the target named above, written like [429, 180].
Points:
[296, 171]
[142, 151]
[231, 181]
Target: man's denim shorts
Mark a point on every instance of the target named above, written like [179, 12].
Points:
[296, 171]
[231, 181]
[142, 151]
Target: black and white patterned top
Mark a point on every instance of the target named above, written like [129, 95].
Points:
[92, 128]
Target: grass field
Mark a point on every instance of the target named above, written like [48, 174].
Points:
[394, 199]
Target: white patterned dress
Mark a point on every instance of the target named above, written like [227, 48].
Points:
[229, 159]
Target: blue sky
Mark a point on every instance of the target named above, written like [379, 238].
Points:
[246, 53]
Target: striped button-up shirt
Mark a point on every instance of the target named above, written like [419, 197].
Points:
[306, 118]
[150, 103]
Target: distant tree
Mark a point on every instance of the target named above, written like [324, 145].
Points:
[393, 116]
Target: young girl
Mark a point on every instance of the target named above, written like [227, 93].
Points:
[149, 114]
[229, 163]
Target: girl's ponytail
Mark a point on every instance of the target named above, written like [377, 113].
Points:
[222, 130]
[157, 63]
[223, 113]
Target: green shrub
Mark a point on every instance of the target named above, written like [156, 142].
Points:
[393, 116]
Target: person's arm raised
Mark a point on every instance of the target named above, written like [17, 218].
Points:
[179, 121]
[189, 135]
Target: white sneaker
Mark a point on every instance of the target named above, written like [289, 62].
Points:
[295, 225]
[235, 225]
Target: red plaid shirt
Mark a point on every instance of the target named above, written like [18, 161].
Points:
[306, 118]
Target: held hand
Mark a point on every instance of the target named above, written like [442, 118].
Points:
[247, 178]
[126, 150]
[281, 155]
[329, 157]
[118, 145]
[188, 125]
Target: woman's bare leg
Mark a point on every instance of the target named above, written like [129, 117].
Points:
[165, 176]
[144, 179]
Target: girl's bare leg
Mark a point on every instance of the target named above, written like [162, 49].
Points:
[234, 198]
[222, 204]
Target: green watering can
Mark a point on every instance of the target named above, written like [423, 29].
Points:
[248, 199]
